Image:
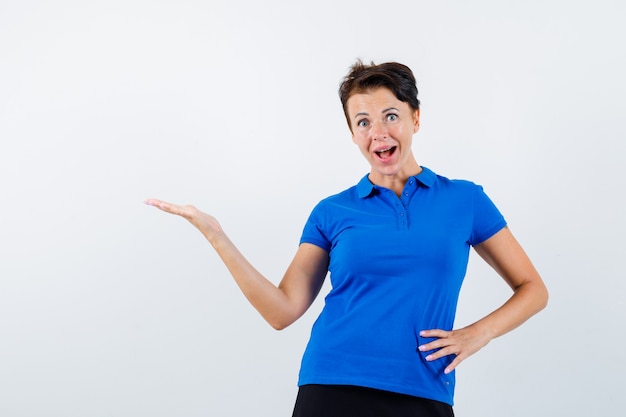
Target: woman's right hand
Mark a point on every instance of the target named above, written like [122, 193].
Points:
[205, 223]
[280, 305]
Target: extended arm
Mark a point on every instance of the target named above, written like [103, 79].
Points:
[279, 305]
[505, 255]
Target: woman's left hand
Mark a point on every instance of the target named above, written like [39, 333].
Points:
[505, 255]
[462, 343]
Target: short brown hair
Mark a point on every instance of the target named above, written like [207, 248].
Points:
[396, 77]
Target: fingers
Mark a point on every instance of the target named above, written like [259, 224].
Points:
[440, 345]
[462, 343]
[205, 223]
[447, 343]
[457, 360]
[165, 206]
[155, 203]
[440, 341]
[443, 346]
[435, 333]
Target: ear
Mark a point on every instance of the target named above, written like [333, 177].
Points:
[416, 121]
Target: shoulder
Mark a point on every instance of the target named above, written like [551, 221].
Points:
[440, 182]
[347, 196]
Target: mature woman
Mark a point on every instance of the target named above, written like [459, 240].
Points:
[396, 245]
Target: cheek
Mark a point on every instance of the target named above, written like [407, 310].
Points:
[363, 146]
[359, 139]
[404, 131]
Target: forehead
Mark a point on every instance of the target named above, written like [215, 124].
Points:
[375, 99]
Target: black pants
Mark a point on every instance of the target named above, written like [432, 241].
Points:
[351, 401]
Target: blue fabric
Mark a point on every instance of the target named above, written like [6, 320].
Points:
[396, 267]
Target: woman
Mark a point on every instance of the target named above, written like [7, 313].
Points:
[396, 245]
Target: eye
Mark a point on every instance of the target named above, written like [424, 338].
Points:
[362, 123]
[392, 117]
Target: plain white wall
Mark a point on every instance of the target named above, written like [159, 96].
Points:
[111, 308]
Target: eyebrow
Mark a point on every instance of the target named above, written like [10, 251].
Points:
[367, 114]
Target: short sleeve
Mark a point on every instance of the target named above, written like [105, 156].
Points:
[487, 219]
[314, 229]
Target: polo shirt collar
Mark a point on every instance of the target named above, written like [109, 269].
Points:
[426, 177]
[365, 187]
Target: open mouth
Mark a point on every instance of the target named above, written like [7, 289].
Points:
[385, 153]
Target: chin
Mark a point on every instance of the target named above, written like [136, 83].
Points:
[387, 171]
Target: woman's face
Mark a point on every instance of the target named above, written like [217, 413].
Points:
[383, 129]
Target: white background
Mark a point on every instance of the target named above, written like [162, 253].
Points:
[109, 307]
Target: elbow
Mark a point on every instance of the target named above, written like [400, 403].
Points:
[541, 297]
[280, 319]
[279, 324]
[546, 297]
[535, 294]
[281, 316]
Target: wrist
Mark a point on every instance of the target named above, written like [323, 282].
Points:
[217, 238]
[485, 329]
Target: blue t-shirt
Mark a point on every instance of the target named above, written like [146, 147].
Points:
[396, 268]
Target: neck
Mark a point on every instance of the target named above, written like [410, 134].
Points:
[395, 182]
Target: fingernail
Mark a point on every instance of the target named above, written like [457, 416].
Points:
[421, 348]
[429, 358]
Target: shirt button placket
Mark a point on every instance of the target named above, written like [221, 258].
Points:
[402, 215]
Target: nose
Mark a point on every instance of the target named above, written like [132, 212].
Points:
[378, 131]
